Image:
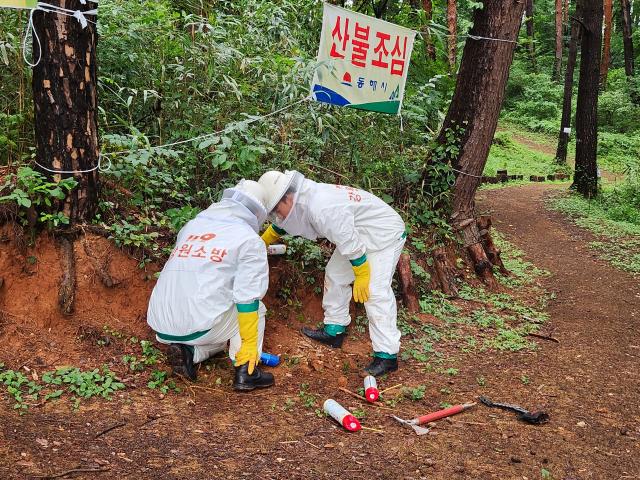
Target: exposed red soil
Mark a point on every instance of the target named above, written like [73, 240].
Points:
[211, 432]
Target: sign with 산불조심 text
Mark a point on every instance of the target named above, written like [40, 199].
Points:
[18, 3]
[363, 61]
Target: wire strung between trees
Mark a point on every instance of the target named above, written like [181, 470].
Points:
[48, 8]
[227, 129]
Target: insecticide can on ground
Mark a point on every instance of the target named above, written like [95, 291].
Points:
[371, 392]
[269, 359]
[341, 415]
[276, 249]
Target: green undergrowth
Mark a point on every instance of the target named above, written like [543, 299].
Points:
[479, 320]
[69, 382]
[76, 385]
[614, 218]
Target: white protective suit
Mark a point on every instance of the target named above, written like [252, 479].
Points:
[358, 223]
[218, 261]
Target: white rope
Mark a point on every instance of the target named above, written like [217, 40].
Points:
[24, 43]
[47, 8]
[88, 170]
[478, 37]
[465, 173]
[227, 129]
[456, 35]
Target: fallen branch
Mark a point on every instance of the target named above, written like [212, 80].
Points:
[149, 420]
[362, 399]
[74, 470]
[112, 427]
[372, 429]
[544, 337]
[390, 388]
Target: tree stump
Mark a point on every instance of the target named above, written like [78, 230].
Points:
[493, 252]
[407, 285]
[445, 272]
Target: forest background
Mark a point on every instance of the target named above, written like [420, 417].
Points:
[173, 70]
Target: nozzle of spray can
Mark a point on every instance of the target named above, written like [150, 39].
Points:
[278, 249]
[341, 415]
[371, 392]
[269, 359]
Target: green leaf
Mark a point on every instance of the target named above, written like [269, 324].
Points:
[208, 142]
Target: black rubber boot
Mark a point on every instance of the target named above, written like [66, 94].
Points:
[258, 379]
[323, 337]
[380, 366]
[180, 358]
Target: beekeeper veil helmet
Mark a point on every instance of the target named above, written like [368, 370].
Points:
[278, 186]
[251, 195]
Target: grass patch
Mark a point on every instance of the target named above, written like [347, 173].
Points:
[479, 320]
[614, 217]
[508, 154]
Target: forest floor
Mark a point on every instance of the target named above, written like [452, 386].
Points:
[588, 382]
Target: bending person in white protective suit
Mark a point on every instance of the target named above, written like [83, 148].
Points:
[209, 290]
[368, 235]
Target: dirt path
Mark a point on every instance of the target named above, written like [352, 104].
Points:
[588, 383]
[596, 315]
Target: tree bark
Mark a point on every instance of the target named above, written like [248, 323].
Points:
[407, 285]
[625, 10]
[65, 100]
[563, 137]
[427, 6]
[557, 65]
[473, 115]
[530, 32]
[606, 46]
[492, 251]
[586, 171]
[452, 25]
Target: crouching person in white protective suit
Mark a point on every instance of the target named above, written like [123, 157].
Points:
[369, 236]
[209, 290]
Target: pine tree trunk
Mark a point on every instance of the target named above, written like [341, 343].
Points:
[530, 32]
[563, 138]
[473, 115]
[452, 22]
[586, 170]
[427, 6]
[606, 46]
[625, 10]
[557, 66]
[65, 100]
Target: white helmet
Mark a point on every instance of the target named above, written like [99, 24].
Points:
[275, 185]
[251, 195]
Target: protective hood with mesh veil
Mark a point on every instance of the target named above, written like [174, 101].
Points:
[248, 201]
[294, 187]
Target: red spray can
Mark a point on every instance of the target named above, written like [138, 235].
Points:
[341, 415]
[371, 392]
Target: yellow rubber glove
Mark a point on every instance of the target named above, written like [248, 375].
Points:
[361, 284]
[248, 322]
[270, 236]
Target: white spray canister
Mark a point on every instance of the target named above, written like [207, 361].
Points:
[276, 249]
[371, 392]
[341, 415]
